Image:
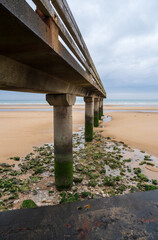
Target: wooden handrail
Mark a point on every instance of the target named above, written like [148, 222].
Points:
[70, 34]
[46, 8]
[66, 15]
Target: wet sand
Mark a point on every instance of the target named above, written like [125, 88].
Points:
[139, 130]
[20, 131]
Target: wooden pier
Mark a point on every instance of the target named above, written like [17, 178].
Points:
[43, 51]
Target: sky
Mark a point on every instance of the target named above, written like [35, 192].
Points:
[122, 38]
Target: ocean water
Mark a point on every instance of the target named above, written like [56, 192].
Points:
[118, 102]
[132, 102]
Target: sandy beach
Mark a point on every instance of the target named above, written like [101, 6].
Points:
[138, 129]
[20, 130]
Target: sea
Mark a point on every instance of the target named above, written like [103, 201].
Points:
[108, 102]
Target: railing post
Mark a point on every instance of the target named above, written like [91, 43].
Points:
[96, 112]
[62, 138]
[89, 114]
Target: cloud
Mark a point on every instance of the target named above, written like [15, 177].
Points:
[122, 37]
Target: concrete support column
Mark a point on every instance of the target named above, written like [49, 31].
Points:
[96, 112]
[89, 113]
[100, 108]
[62, 138]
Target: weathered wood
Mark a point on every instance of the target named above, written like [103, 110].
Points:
[68, 19]
[70, 43]
[46, 8]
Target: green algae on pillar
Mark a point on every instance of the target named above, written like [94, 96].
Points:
[62, 138]
[100, 109]
[89, 118]
[96, 112]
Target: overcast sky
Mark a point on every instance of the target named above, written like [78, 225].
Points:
[122, 37]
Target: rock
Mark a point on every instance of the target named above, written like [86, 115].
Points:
[77, 178]
[34, 192]
[130, 150]
[28, 203]
[85, 182]
[51, 169]
[16, 201]
[5, 165]
[91, 169]
[96, 196]
[51, 193]
[79, 167]
[50, 184]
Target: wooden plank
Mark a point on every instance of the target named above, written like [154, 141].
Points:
[46, 8]
[68, 19]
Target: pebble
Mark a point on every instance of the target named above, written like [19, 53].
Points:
[50, 184]
[17, 201]
[34, 192]
[51, 169]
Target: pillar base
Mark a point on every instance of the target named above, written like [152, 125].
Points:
[88, 132]
[96, 120]
[63, 175]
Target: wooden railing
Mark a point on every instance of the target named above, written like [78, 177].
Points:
[60, 13]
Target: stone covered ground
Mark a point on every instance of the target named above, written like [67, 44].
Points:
[103, 168]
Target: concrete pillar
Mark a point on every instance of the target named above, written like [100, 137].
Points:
[100, 108]
[89, 114]
[62, 138]
[96, 112]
